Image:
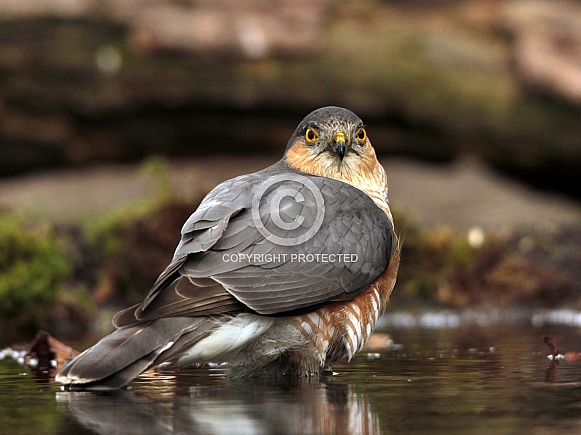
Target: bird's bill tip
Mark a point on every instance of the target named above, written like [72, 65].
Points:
[340, 148]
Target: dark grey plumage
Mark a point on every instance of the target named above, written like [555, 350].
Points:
[200, 290]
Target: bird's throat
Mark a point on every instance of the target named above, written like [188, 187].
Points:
[362, 171]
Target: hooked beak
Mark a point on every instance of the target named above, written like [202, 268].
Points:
[340, 148]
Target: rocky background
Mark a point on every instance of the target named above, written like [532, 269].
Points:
[91, 89]
[116, 80]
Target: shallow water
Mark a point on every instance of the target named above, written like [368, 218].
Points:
[447, 373]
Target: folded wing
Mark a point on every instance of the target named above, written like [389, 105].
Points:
[227, 260]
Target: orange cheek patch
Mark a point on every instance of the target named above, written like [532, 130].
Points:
[299, 157]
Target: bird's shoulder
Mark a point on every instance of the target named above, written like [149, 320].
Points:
[238, 192]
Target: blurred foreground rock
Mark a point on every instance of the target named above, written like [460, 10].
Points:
[86, 80]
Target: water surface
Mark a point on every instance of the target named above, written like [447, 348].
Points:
[447, 373]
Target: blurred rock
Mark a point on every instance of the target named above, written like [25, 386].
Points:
[547, 47]
[252, 29]
[12, 9]
[116, 80]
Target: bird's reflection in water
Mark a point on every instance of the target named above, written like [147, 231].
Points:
[212, 404]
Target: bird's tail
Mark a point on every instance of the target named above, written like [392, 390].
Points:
[121, 356]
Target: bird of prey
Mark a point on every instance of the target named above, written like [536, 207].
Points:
[281, 272]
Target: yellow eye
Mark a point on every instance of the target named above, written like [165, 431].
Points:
[311, 135]
[361, 135]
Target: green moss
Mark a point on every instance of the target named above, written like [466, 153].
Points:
[33, 267]
[430, 261]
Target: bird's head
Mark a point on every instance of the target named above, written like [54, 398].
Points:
[331, 142]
